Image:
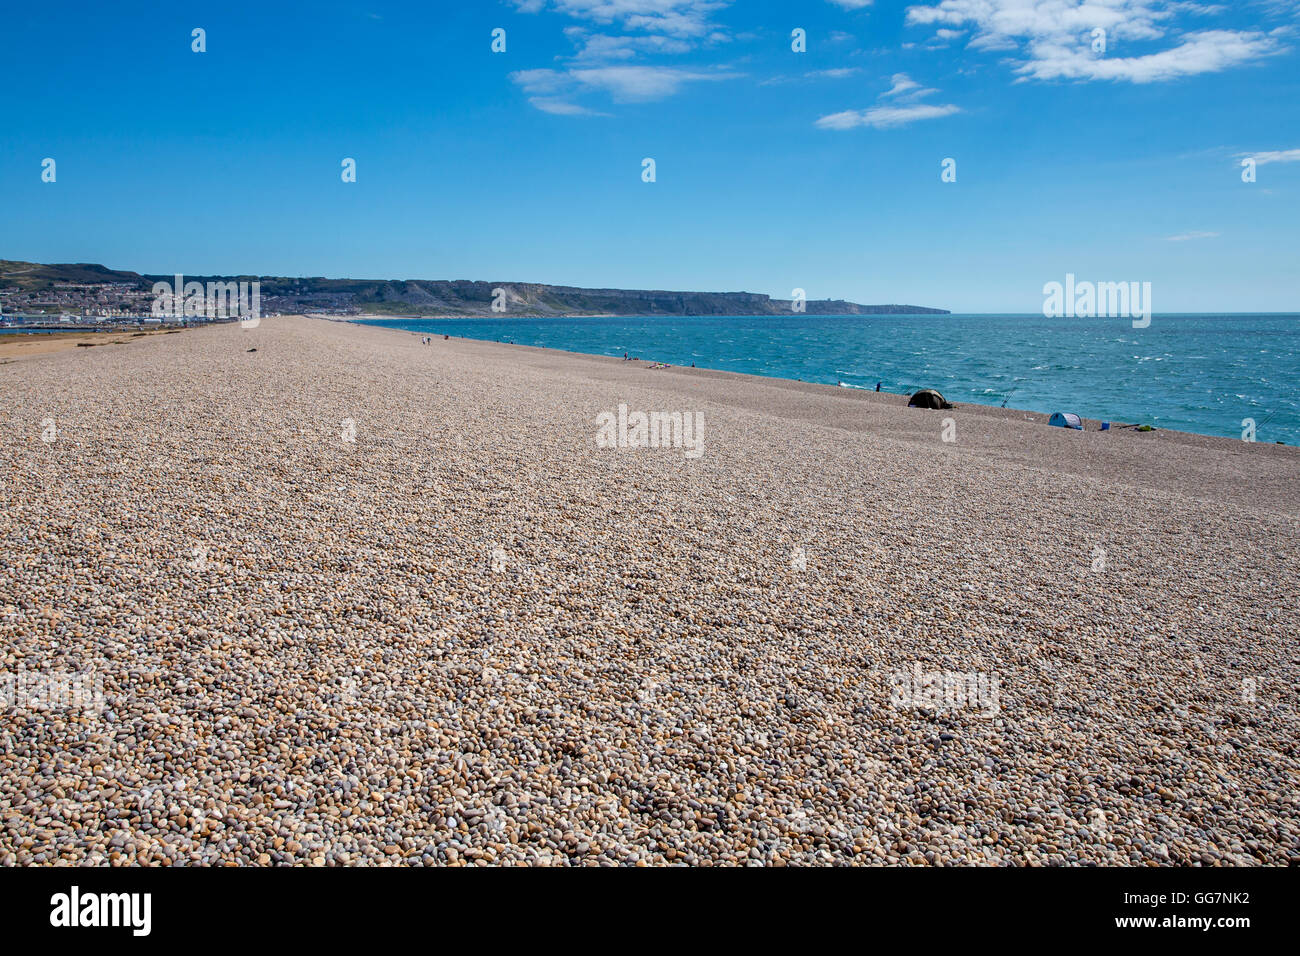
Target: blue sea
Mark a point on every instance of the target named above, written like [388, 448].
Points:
[1196, 373]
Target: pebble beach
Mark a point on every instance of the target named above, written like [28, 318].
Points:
[336, 596]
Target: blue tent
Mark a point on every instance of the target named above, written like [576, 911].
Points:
[1066, 420]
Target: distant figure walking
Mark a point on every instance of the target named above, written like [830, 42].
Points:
[877, 386]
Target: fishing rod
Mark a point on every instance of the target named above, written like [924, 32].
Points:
[1271, 414]
[1266, 420]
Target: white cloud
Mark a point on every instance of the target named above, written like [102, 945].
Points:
[886, 117]
[1030, 19]
[560, 107]
[1054, 37]
[601, 62]
[601, 46]
[550, 90]
[1275, 156]
[679, 18]
[1207, 52]
[539, 82]
[838, 73]
[853, 4]
[904, 106]
[902, 83]
[626, 83]
[1184, 236]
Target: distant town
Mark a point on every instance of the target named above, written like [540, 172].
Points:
[82, 305]
[119, 304]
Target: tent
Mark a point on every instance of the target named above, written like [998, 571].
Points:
[1066, 420]
[928, 398]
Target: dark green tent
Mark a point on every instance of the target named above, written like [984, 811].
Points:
[928, 398]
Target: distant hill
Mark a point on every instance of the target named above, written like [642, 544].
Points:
[33, 277]
[450, 297]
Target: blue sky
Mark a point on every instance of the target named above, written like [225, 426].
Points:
[774, 169]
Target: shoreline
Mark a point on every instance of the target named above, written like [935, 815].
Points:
[69, 341]
[892, 398]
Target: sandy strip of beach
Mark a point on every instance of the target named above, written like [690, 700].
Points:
[16, 345]
[351, 598]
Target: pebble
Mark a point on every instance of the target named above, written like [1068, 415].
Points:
[309, 656]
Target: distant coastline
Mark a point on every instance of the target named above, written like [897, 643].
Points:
[35, 287]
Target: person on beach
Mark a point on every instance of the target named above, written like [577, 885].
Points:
[877, 386]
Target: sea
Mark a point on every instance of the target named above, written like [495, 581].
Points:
[1204, 373]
